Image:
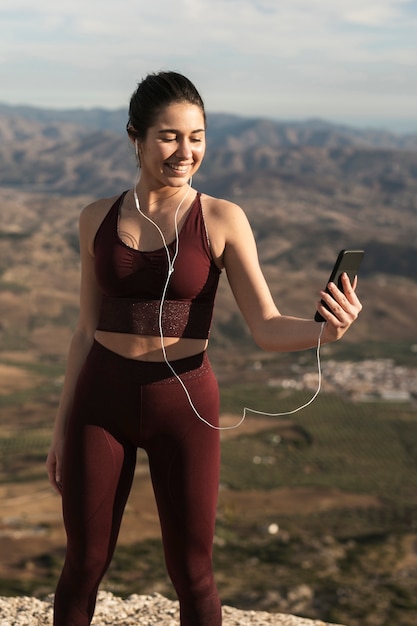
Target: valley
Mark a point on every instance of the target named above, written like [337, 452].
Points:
[317, 510]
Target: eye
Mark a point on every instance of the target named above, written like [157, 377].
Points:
[167, 136]
[196, 138]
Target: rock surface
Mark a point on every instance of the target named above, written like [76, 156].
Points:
[135, 611]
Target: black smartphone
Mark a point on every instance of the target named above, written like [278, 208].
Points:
[348, 261]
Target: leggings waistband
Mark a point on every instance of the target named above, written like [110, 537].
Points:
[151, 371]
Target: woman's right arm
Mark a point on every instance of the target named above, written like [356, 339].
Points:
[82, 338]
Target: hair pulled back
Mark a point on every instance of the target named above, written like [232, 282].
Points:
[155, 92]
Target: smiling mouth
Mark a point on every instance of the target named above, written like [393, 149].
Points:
[179, 169]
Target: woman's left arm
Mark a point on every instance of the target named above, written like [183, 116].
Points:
[271, 330]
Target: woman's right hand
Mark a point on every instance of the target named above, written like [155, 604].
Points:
[54, 465]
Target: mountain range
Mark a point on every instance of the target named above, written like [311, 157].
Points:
[309, 189]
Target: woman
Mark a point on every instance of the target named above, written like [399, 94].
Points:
[138, 372]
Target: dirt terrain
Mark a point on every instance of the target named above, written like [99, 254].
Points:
[31, 522]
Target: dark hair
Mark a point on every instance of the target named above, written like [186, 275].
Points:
[155, 92]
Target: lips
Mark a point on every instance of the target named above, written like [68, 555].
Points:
[179, 169]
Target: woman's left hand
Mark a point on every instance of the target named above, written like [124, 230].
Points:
[344, 306]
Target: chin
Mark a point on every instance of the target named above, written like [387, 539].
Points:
[179, 181]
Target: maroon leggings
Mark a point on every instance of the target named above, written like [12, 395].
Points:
[121, 404]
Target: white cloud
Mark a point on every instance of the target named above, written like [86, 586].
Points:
[377, 14]
[247, 55]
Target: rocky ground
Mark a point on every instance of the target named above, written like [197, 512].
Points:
[135, 611]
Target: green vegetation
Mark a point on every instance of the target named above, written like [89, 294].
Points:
[401, 352]
[139, 566]
[22, 456]
[15, 236]
[361, 448]
[14, 339]
[17, 288]
[23, 396]
[42, 367]
[344, 554]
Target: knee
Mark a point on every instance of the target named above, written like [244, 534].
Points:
[86, 567]
[195, 580]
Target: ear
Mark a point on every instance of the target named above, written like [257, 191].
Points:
[132, 133]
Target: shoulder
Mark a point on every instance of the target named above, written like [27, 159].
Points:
[220, 210]
[225, 215]
[92, 216]
[227, 225]
[97, 209]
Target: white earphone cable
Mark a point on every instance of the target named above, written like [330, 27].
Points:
[303, 406]
[171, 262]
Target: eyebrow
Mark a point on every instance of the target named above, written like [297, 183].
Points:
[174, 131]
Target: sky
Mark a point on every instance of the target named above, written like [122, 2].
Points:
[349, 61]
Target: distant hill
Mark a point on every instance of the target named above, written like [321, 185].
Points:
[309, 189]
[77, 152]
[221, 126]
[92, 119]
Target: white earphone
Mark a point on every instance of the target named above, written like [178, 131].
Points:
[171, 262]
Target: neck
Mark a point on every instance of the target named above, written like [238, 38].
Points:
[164, 199]
[155, 207]
[149, 219]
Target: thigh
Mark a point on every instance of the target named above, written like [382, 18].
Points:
[108, 394]
[99, 459]
[184, 459]
[97, 476]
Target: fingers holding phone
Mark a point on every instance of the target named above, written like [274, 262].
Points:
[339, 305]
[347, 263]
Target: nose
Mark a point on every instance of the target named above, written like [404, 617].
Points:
[184, 149]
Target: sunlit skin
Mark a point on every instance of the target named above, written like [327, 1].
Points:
[172, 151]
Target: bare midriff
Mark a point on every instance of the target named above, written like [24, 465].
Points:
[148, 348]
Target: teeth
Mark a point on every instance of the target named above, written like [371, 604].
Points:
[178, 168]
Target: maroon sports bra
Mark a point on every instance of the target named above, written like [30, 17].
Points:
[132, 281]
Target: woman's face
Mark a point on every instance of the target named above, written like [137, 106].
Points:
[174, 146]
